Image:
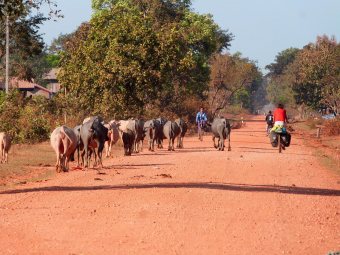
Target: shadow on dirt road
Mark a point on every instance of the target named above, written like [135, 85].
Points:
[218, 186]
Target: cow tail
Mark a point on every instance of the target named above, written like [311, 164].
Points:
[64, 133]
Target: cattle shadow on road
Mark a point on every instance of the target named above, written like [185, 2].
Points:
[308, 191]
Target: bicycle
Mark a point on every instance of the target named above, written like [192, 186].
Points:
[201, 127]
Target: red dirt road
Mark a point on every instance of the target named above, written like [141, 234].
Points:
[251, 200]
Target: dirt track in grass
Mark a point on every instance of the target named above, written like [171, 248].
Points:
[197, 200]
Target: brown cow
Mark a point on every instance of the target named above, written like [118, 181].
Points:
[64, 143]
[5, 145]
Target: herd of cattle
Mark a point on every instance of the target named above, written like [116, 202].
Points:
[93, 135]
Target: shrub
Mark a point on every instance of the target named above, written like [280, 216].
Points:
[332, 127]
[313, 122]
[27, 120]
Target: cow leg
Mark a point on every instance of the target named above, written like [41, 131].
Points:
[1, 154]
[57, 164]
[6, 157]
[229, 147]
[95, 163]
[214, 138]
[66, 162]
[221, 141]
[86, 156]
[100, 153]
[173, 144]
[78, 156]
[169, 146]
[153, 145]
[110, 148]
[107, 149]
[83, 157]
[141, 145]
[130, 148]
[150, 145]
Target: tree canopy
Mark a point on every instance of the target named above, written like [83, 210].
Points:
[234, 80]
[307, 77]
[27, 58]
[137, 55]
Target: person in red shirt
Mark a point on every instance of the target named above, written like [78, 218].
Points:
[280, 116]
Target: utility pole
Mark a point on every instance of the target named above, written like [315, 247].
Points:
[7, 53]
[65, 113]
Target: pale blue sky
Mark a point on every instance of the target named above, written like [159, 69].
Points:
[262, 28]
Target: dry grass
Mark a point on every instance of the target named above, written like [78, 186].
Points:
[332, 127]
[28, 163]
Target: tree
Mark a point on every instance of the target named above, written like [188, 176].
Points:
[280, 78]
[231, 80]
[139, 55]
[26, 44]
[282, 60]
[318, 74]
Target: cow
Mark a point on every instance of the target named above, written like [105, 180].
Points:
[5, 145]
[153, 131]
[136, 127]
[171, 130]
[80, 145]
[93, 135]
[128, 138]
[183, 127]
[64, 142]
[160, 136]
[139, 135]
[113, 135]
[221, 128]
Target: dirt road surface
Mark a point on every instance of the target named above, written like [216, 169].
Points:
[197, 200]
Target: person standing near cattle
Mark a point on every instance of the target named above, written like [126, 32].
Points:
[201, 120]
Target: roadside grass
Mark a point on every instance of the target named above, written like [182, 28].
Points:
[28, 163]
[326, 148]
[328, 161]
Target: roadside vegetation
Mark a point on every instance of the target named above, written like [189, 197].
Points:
[155, 58]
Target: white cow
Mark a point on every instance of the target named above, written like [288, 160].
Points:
[64, 143]
[113, 135]
[5, 145]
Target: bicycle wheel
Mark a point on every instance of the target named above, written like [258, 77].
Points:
[200, 133]
[279, 142]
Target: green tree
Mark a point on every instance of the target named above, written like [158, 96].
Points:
[138, 55]
[281, 77]
[26, 44]
[282, 60]
[318, 74]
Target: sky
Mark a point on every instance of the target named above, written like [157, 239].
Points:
[261, 28]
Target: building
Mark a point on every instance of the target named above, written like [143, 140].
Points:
[28, 88]
[52, 81]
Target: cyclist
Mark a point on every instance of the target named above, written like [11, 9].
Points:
[270, 121]
[280, 116]
[201, 119]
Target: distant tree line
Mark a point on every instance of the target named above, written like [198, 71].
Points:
[307, 78]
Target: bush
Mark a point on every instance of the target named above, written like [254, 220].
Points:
[313, 122]
[26, 120]
[332, 127]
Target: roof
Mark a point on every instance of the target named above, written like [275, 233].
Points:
[23, 85]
